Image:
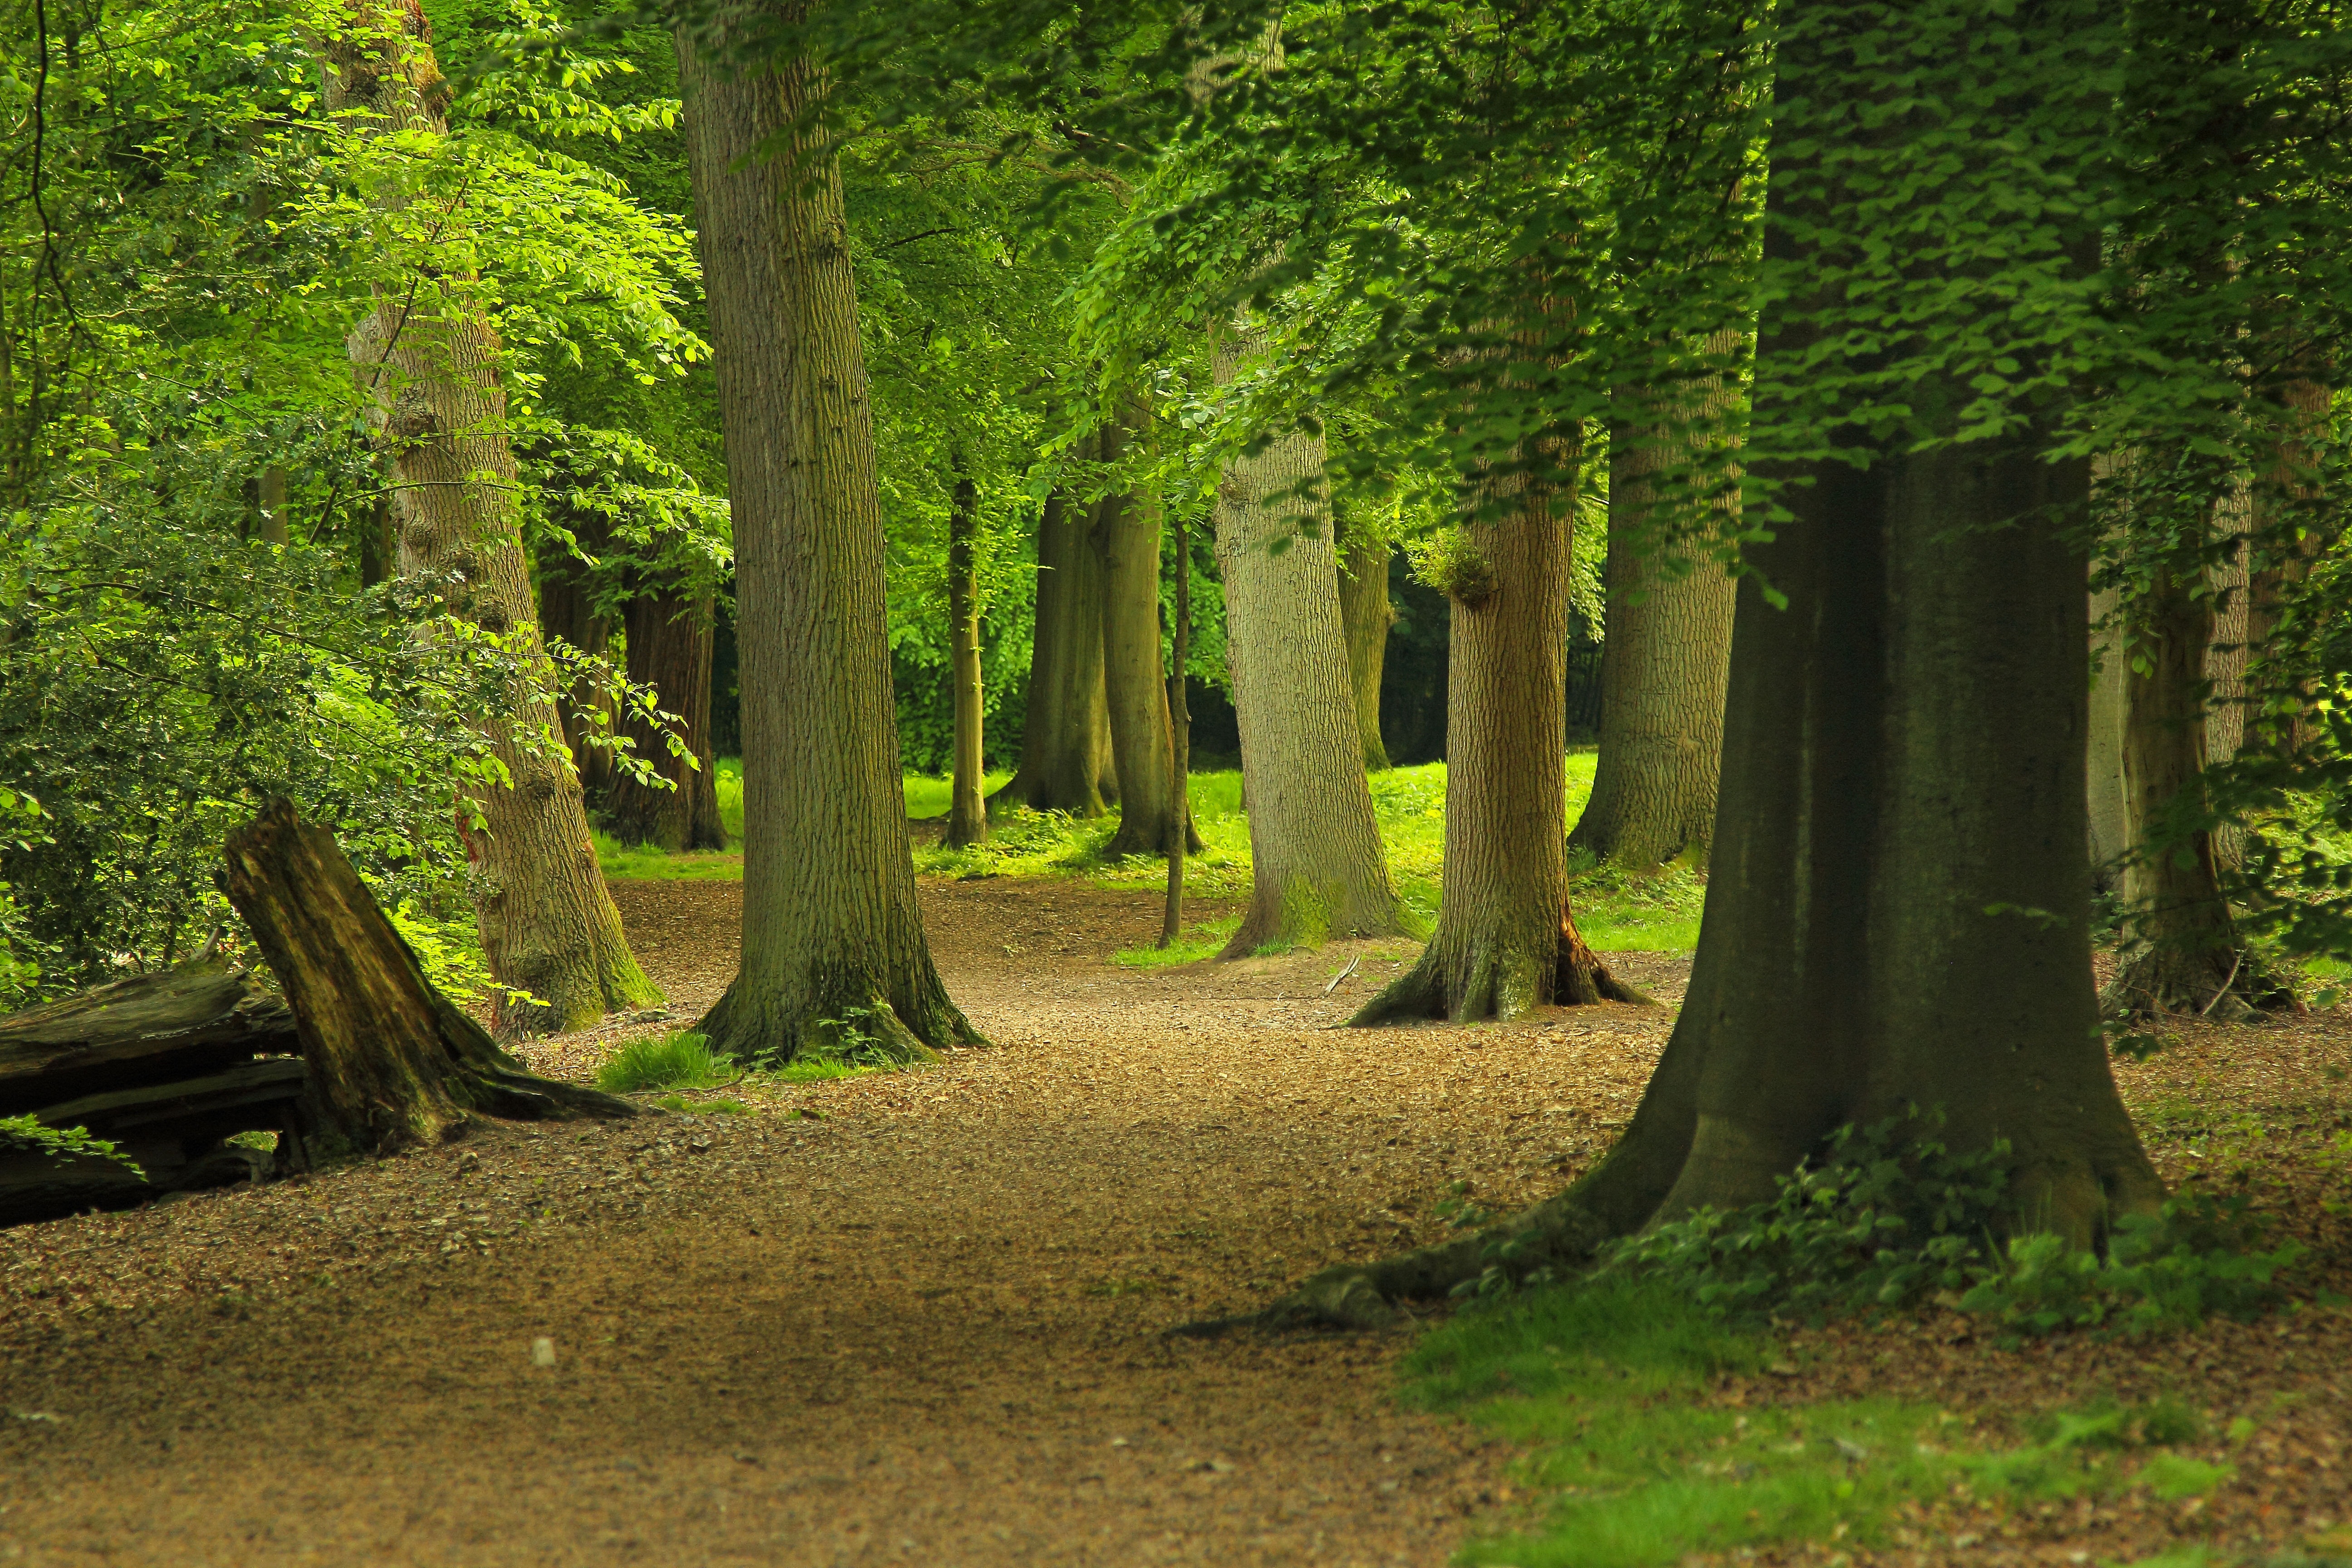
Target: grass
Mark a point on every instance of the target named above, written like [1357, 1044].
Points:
[1655, 912]
[665, 1061]
[1602, 1379]
[1205, 941]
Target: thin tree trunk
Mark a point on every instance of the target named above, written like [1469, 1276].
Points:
[1179, 737]
[1365, 618]
[431, 363]
[834, 954]
[1666, 658]
[1319, 869]
[1065, 757]
[272, 498]
[2110, 818]
[966, 810]
[379, 548]
[567, 609]
[1127, 534]
[671, 638]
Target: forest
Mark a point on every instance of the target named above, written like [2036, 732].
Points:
[1099, 782]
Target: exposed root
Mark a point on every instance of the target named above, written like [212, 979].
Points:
[1581, 978]
[2227, 984]
[1499, 985]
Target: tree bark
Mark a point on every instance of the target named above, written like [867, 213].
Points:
[671, 636]
[967, 807]
[391, 1061]
[1127, 537]
[1897, 904]
[1180, 738]
[1365, 618]
[1506, 942]
[1318, 867]
[430, 361]
[1665, 660]
[834, 953]
[1065, 748]
[2288, 537]
[182, 1023]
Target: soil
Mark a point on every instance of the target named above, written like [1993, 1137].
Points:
[913, 1318]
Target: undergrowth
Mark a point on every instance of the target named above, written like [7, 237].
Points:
[684, 1060]
[1609, 1379]
[30, 1135]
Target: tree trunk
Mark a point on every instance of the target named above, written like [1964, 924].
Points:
[2110, 819]
[670, 637]
[1126, 535]
[1066, 753]
[1365, 618]
[391, 1061]
[834, 953]
[273, 519]
[1667, 656]
[2289, 535]
[379, 549]
[1897, 904]
[1179, 737]
[431, 363]
[967, 807]
[1319, 869]
[1505, 939]
[2185, 945]
[568, 610]
[184, 1022]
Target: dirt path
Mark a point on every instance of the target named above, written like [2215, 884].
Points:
[924, 1328]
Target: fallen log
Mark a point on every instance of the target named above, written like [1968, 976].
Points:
[391, 1060]
[154, 1028]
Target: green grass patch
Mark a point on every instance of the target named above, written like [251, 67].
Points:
[1203, 941]
[1609, 1381]
[818, 1069]
[720, 1107]
[665, 1061]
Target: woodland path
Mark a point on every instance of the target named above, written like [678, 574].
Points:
[922, 1329]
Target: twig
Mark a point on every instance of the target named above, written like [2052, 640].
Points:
[1343, 974]
[2226, 983]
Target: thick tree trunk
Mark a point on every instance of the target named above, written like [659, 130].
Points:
[1319, 869]
[671, 636]
[1667, 656]
[391, 1061]
[1897, 905]
[1365, 618]
[967, 807]
[1127, 536]
[834, 953]
[1066, 750]
[431, 363]
[1505, 940]
[568, 610]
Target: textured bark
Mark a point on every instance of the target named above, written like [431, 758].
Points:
[2110, 819]
[1319, 869]
[568, 610]
[670, 637]
[1179, 737]
[184, 1022]
[1665, 657]
[429, 361]
[1065, 755]
[967, 808]
[1505, 940]
[834, 953]
[1127, 537]
[1365, 618]
[1897, 905]
[2290, 535]
[391, 1061]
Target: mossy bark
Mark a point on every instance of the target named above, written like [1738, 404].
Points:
[834, 953]
[1319, 869]
[430, 364]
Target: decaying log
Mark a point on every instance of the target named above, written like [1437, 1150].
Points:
[391, 1061]
[150, 1028]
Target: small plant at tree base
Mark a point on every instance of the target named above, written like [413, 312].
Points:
[2201, 1255]
[30, 1135]
[666, 1061]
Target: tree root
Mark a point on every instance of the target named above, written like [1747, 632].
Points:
[1496, 985]
[1581, 978]
[2171, 982]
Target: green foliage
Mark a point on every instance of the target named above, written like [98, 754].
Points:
[1207, 941]
[29, 1135]
[681, 1060]
[1891, 1217]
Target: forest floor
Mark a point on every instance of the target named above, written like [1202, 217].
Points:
[918, 1317]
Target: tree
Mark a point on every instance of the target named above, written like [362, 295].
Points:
[834, 953]
[966, 810]
[1066, 750]
[1318, 868]
[1365, 618]
[671, 633]
[1126, 535]
[431, 360]
[1665, 656]
[1505, 939]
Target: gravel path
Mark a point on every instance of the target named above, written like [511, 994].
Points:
[913, 1318]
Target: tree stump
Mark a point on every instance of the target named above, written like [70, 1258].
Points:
[391, 1061]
